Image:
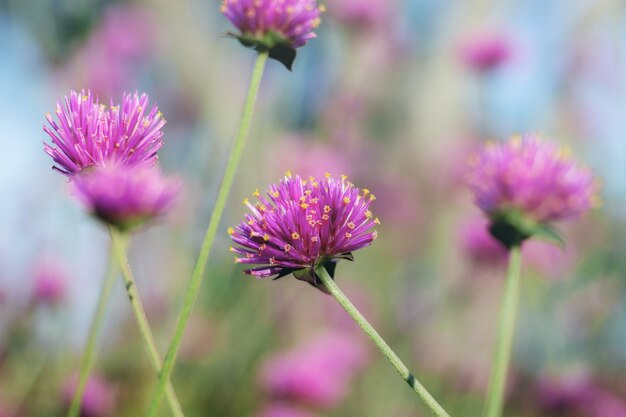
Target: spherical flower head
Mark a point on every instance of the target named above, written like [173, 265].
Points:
[87, 133]
[486, 52]
[526, 184]
[125, 196]
[278, 26]
[303, 224]
[360, 14]
[50, 283]
[317, 373]
[98, 398]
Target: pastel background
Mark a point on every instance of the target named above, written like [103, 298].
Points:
[392, 93]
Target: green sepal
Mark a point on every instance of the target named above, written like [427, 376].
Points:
[512, 228]
[329, 264]
[279, 48]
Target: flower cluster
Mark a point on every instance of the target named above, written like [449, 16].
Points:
[109, 154]
[303, 223]
[91, 134]
[292, 21]
[530, 183]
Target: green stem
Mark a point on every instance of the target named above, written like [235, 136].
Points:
[120, 242]
[198, 272]
[504, 338]
[391, 356]
[87, 361]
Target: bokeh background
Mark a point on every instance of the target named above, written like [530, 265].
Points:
[393, 93]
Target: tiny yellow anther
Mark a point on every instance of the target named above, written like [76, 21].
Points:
[295, 235]
[231, 231]
[256, 193]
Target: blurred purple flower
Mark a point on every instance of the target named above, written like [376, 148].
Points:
[530, 177]
[50, 283]
[478, 244]
[98, 397]
[485, 52]
[317, 373]
[304, 224]
[89, 133]
[359, 13]
[292, 20]
[125, 196]
[106, 62]
[283, 410]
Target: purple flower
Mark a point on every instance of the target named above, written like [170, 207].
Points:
[269, 22]
[304, 223]
[98, 397]
[50, 283]
[125, 195]
[317, 373]
[283, 410]
[535, 179]
[485, 52]
[91, 134]
[359, 13]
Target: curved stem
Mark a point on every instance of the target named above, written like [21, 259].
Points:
[391, 356]
[198, 272]
[504, 338]
[120, 242]
[86, 362]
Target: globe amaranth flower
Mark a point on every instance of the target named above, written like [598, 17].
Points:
[277, 26]
[524, 184]
[302, 224]
[125, 196]
[486, 52]
[88, 133]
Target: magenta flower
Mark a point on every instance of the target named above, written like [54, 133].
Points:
[91, 134]
[361, 14]
[302, 224]
[50, 283]
[485, 52]
[527, 183]
[293, 21]
[98, 399]
[125, 196]
[317, 373]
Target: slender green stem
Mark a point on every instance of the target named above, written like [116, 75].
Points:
[504, 338]
[86, 362]
[120, 242]
[222, 195]
[391, 356]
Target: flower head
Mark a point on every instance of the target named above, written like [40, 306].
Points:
[360, 14]
[278, 26]
[304, 223]
[485, 52]
[125, 196]
[531, 181]
[99, 396]
[50, 283]
[88, 133]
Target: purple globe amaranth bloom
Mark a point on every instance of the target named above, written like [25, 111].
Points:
[524, 184]
[99, 397]
[277, 26]
[125, 196]
[303, 224]
[88, 133]
[485, 52]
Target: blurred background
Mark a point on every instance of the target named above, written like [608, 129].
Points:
[393, 93]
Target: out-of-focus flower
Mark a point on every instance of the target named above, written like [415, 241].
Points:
[359, 13]
[317, 373]
[274, 21]
[283, 410]
[91, 134]
[125, 196]
[485, 52]
[526, 183]
[111, 57]
[98, 397]
[50, 283]
[303, 224]
[476, 242]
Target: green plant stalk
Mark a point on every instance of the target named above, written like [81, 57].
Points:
[198, 272]
[87, 361]
[120, 242]
[504, 338]
[391, 356]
